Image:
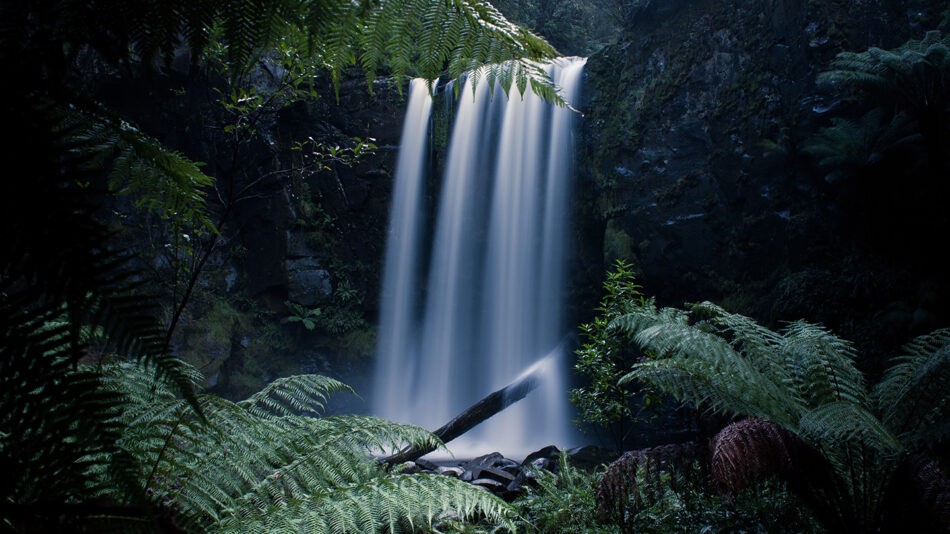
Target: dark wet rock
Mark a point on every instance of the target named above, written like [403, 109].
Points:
[519, 481]
[299, 245]
[427, 465]
[508, 465]
[491, 485]
[408, 468]
[691, 168]
[455, 472]
[513, 468]
[487, 460]
[549, 453]
[542, 463]
[496, 473]
[307, 280]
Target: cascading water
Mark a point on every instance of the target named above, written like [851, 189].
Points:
[397, 308]
[494, 289]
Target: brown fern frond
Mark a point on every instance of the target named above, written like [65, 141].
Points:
[748, 451]
[636, 474]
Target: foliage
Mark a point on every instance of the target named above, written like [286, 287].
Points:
[633, 478]
[848, 148]
[259, 465]
[663, 500]
[412, 37]
[802, 378]
[308, 317]
[61, 286]
[911, 398]
[85, 441]
[43, 43]
[907, 92]
[605, 357]
[914, 74]
[561, 501]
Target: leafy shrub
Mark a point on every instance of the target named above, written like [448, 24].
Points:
[604, 359]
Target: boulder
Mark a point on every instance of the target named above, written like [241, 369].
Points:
[426, 465]
[495, 473]
[542, 463]
[455, 472]
[409, 467]
[491, 485]
[306, 280]
[549, 453]
[486, 460]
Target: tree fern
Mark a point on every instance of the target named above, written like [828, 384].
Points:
[914, 73]
[259, 465]
[59, 282]
[911, 84]
[912, 396]
[717, 379]
[850, 148]
[637, 476]
[802, 378]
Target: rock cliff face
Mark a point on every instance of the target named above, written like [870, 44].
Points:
[313, 239]
[690, 165]
[694, 167]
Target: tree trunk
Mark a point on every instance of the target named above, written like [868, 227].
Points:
[475, 414]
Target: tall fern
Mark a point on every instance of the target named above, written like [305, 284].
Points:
[802, 378]
[260, 466]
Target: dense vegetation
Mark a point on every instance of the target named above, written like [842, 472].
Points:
[104, 428]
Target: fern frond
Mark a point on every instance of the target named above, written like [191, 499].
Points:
[840, 424]
[698, 366]
[751, 449]
[915, 72]
[393, 503]
[821, 366]
[912, 396]
[56, 267]
[849, 147]
[760, 346]
[254, 462]
[294, 395]
[636, 474]
[162, 181]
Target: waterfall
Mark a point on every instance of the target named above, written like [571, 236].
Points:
[495, 278]
[401, 272]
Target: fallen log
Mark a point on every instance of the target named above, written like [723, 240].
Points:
[480, 411]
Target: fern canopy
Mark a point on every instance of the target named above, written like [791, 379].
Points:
[802, 378]
[425, 38]
[915, 72]
[260, 466]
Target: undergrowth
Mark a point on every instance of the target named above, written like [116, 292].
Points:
[564, 502]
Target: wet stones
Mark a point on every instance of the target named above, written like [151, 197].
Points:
[493, 472]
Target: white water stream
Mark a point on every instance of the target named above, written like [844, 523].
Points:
[494, 284]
